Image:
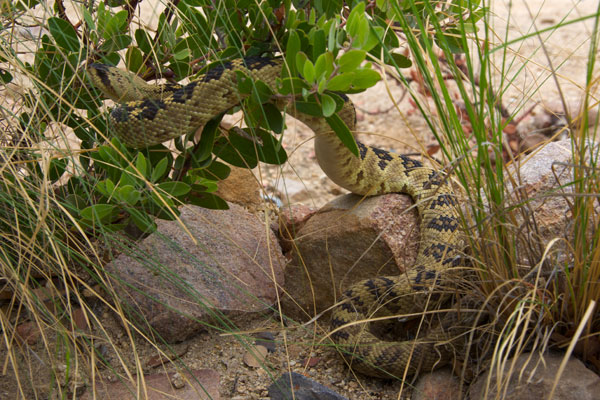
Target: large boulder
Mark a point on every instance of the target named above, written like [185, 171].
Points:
[176, 279]
[350, 239]
[532, 377]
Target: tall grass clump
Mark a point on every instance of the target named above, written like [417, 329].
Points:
[541, 291]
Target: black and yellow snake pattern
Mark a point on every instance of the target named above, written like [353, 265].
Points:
[153, 114]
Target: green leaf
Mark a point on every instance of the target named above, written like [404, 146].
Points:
[57, 168]
[365, 78]
[174, 188]
[116, 43]
[159, 170]
[328, 105]
[208, 200]
[98, 212]
[128, 194]
[301, 59]
[262, 92]
[309, 72]
[144, 222]
[110, 59]
[270, 151]
[362, 33]
[350, 60]
[292, 86]
[355, 17]
[203, 185]
[143, 41]
[238, 151]
[5, 76]
[134, 60]
[373, 38]
[89, 21]
[64, 34]
[115, 25]
[244, 82]
[324, 65]
[343, 133]
[309, 108]
[292, 48]
[106, 188]
[181, 68]
[400, 60]
[76, 201]
[341, 82]
[274, 118]
[215, 171]
[318, 42]
[131, 177]
[141, 165]
[207, 138]
[182, 54]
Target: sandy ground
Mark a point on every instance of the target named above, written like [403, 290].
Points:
[401, 129]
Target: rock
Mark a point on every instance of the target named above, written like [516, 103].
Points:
[174, 281]
[240, 187]
[437, 385]
[350, 239]
[532, 377]
[540, 177]
[267, 340]
[255, 356]
[303, 389]
[28, 332]
[195, 385]
[291, 219]
[80, 321]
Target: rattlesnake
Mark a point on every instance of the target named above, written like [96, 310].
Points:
[152, 114]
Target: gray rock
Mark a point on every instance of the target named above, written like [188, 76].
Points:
[303, 389]
[350, 239]
[175, 282]
[545, 179]
[532, 377]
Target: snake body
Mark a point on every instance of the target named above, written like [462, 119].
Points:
[154, 114]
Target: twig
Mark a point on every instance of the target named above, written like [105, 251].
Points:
[130, 6]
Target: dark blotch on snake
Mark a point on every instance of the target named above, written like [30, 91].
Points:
[443, 223]
[384, 157]
[150, 108]
[185, 93]
[216, 72]
[102, 72]
[443, 200]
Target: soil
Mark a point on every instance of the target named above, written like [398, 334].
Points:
[386, 118]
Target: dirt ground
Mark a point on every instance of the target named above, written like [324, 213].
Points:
[387, 119]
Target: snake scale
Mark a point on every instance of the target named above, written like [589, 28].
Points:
[152, 114]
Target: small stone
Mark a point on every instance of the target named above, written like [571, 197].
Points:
[266, 339]
[28, 332]
[255, 357]
[311, 361]
[299, 387]
[80, 321]
[177, 381]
